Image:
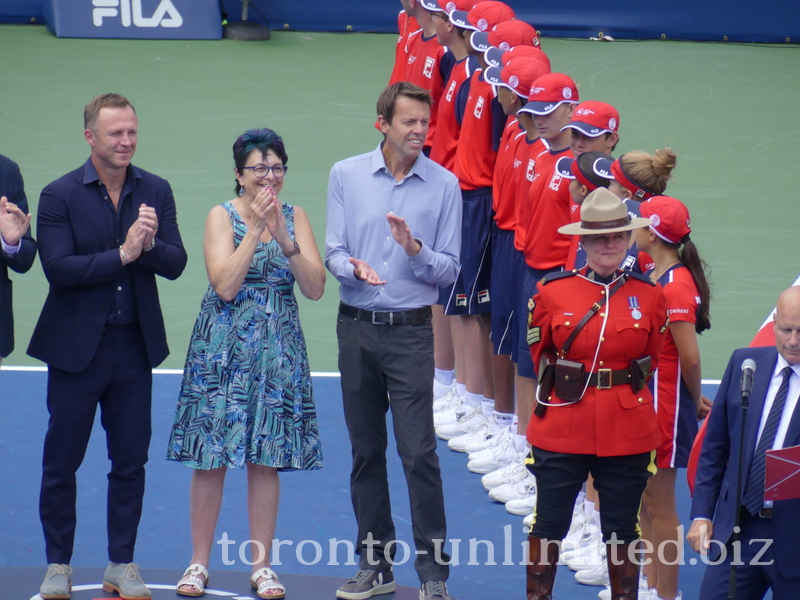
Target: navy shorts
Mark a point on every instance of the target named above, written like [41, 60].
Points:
[528, 288]
[507, 264]
[470, 295]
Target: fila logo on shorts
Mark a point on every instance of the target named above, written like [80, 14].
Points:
[461, 299]
[483, 296]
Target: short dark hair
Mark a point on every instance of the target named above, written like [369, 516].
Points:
[92, 109]
[387, 101]
[263, 140]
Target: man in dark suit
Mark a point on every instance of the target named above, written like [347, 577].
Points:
[769, 531]
[105, 231]
[17, 247]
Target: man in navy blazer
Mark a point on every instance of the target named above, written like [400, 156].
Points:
[768, 538]
[17, 246]
[105, 231]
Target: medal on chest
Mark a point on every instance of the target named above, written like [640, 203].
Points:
[633, 304]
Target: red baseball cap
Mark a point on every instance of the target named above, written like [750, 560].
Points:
[549, 92]
[449, 6]
[594, 118]
[495, 57]
[518, 75]
[483, 16]
[505, 36]
[669, 218]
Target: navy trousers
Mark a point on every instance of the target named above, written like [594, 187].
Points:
[119, 380]
[757, 574]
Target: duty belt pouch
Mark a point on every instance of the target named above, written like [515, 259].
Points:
[640, 369]
[546, 373]
[570, 379]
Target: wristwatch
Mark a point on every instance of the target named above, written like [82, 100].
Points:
[293, 252]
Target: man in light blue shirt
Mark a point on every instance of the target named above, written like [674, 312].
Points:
[393, 236]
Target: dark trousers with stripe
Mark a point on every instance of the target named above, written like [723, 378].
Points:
[620, 482]
[382, 367]
[119, 380]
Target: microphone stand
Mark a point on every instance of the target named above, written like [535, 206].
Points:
[738, 503]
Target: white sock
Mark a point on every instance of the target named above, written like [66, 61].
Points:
[487, 405]
[461, 389]
[588, 507]
[474, 400]
[515, 424]
[503, 419]
[520, 443]
[579, 500]
[444, 376]
[596, 519]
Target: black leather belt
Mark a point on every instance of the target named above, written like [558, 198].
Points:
[417, 316]
[605, 378]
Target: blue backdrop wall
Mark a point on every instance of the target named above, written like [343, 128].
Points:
[775, 21]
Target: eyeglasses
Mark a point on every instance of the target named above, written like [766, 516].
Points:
[260, 171]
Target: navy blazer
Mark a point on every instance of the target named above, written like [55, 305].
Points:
[12, 187]
[82, 263]
[715, 485]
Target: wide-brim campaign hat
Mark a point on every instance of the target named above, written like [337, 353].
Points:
[603, 212]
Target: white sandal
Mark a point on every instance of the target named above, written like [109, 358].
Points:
[270, 584]
[197, 577]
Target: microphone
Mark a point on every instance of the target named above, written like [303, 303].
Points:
[748, 368]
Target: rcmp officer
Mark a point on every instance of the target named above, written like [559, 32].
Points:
[596, 335]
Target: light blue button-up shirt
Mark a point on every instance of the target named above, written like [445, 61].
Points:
[361, 192]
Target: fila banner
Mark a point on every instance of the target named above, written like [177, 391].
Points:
[134, 19]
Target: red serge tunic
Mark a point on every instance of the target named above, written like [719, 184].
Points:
[608, 422]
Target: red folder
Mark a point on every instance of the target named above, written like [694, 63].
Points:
[782, 480]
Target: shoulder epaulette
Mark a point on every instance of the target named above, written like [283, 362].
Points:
[558, 275]
[640, 277]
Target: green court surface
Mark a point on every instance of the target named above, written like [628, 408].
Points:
[730, 112]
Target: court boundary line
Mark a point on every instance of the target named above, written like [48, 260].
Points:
[180, 372]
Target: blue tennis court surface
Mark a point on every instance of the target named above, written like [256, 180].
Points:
[315, 518]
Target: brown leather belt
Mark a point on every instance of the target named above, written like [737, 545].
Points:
[416, 316]
[604, 379]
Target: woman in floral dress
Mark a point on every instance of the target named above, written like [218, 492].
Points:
[246, 398]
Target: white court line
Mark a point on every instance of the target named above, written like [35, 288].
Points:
[180, 372]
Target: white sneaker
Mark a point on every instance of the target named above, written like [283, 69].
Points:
[522, 507]
[502, 454]
[596, 575]
[645, 593]
[575, 533]
[592, 557]
[451, 398]
[465, 423]
[451, 413]
[501, 439]
[578, 543]
[477, 439]
[511, 473]
[440, 390]
[514, 491]
[527, 523]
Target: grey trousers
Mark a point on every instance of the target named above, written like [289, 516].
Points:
[382, 367]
